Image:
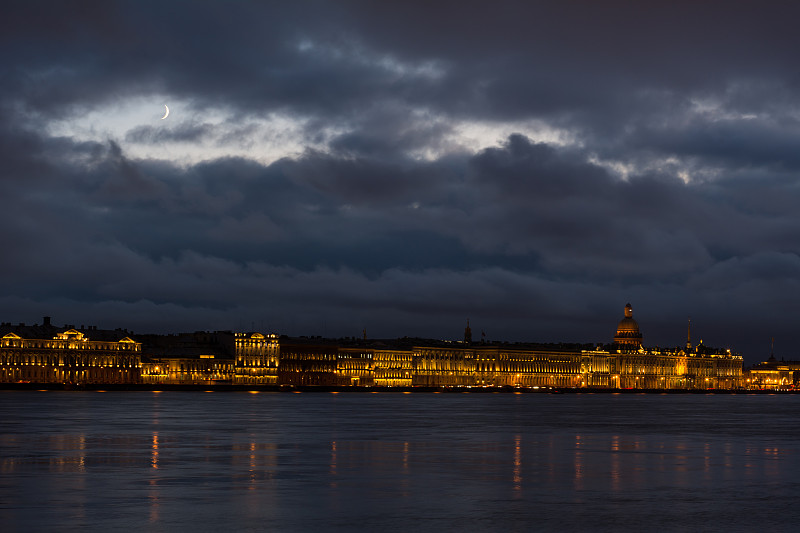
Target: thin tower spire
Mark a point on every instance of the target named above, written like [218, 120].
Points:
[689, 336]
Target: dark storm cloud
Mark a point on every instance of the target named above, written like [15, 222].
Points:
[728, 143]
[505, 59]
[368, 182]
[675, 186]
[390, 132]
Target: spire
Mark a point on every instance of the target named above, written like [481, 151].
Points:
[468, 334]
[689, 336]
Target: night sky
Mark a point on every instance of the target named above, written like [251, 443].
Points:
[328, 167]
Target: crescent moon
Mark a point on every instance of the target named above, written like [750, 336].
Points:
[165, 114]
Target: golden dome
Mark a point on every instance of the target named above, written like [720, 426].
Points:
[628, 330]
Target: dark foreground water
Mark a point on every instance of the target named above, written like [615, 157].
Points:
[180, 461]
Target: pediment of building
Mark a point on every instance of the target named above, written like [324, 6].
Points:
[70, 334]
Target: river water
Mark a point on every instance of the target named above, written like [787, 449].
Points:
[237, 461]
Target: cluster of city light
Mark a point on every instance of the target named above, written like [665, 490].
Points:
[261, 359]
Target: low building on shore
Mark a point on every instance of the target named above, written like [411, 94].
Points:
[44, 353]
[773, 375]
[188, 358]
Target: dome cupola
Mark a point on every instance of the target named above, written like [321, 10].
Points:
[628, 334]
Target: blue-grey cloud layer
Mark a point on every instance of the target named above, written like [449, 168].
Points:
[678, 189]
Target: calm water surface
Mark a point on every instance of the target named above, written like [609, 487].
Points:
[174, 461]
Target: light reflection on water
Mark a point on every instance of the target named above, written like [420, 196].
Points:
[161, 462]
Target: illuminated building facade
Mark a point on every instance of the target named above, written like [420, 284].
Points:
[665, 369]
[256, 358]
[630, 366]
[188, 358]
[52, 355]
[393, 368]
[208, 358]
[774, 375]
[46, 354]
[625, 364]
[304, 363]
[561, 367]
[450, 366]
[355, 367]
[520, 366]
[204, 369]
